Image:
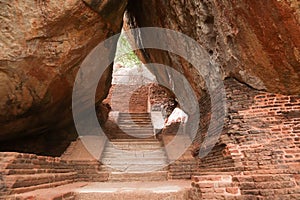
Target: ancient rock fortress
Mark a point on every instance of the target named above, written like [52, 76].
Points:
[254, 44]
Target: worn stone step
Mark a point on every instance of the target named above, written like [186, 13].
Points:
[29, 164]
[130, 140]
[134, 168]
[33, 171]
[20, 181]
[134, 122]
[148, 190]
[137, 154]
[133, 114]
[58, 192]
[150, 133]
[133, 161]
[137, 176]
[41, 186]
[136, 128]
[136, 137]
[134, 117]
[137, 147]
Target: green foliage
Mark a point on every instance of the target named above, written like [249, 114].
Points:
[124, 53]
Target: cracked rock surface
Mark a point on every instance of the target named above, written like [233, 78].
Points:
[42, 44]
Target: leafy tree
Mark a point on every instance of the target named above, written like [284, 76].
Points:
[124, 53]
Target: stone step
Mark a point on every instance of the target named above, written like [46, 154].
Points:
[136, 156]
[135, 119]
[20, 171]
[136, 176]
[130, 140]
[142, 168]
[51, 185]
[143, 122]
[132, 147]
[63, 192]
[135, 132]
[134, 135]
[137, 137]
[134, 114]
[133, 152]
[148, 190]
[135, 128]
[133, 161]
[19, 164]
[23, 183]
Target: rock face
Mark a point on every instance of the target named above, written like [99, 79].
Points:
[254, 42]
[42, 46]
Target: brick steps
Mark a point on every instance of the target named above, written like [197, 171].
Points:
[27, 172]
[271, 192]
[264, 177]
[33, 171]
[22, 181]
[64, 192]
[22, 190]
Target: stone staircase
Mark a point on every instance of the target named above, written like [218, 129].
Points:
[134, 126]
[135, 154]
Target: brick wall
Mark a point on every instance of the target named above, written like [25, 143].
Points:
[259, 149]
[161, 96]
[20, 172]
[26, 172]
[128, 98]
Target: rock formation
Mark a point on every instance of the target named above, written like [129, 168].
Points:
[257, 43]
[42, 46]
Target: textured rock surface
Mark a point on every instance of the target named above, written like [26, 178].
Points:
[42, 45]
[254, 42]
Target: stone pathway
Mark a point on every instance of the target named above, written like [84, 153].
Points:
[160, 190]
[134, 153]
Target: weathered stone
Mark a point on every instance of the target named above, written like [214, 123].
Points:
[254, 42]
[42, 46]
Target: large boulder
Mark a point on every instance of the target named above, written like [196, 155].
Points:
[255, 42]
[42, 46]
